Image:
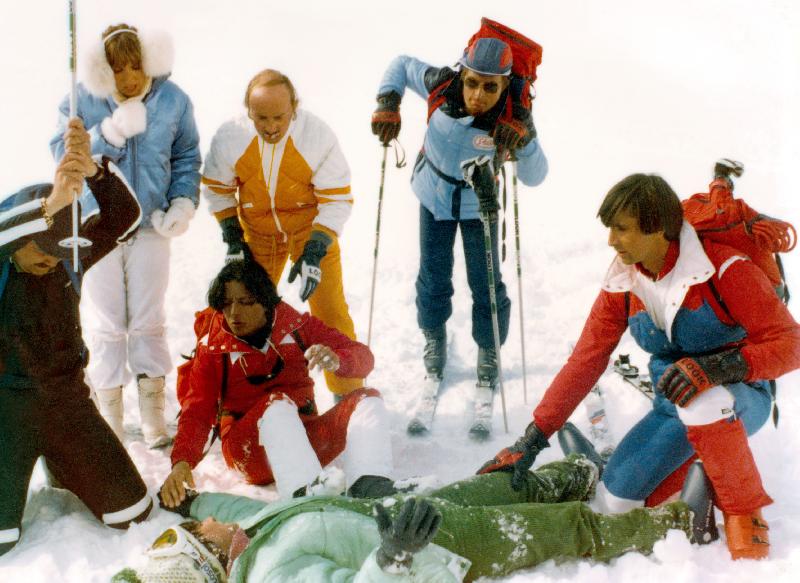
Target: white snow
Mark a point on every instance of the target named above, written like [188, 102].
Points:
[625, 86]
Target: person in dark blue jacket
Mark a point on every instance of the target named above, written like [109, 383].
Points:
[466, 120]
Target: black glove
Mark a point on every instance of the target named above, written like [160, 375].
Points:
[307, 266]
[516, 132]
[687, 378]
[185, 507]
[519, 457]
[413, 528]
[386, 119]
[479, 174]
[233, 235]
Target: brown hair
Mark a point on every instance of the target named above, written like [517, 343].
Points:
[649, 199]
[270, 78]
[123, 48]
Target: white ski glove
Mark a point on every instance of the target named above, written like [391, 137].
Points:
[128, 120]
[175, 221]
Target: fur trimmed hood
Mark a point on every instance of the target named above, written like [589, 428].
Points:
[158, 56]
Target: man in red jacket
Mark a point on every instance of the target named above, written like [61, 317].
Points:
[250, 376]
[716, 331]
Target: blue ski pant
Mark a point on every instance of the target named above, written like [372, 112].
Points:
[435, 279]
[657, 445]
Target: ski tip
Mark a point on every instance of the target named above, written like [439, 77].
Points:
[480, 432]
[417, 429]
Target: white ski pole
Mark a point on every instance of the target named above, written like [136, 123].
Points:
[377, 243]
[74, 242]
[519, 276]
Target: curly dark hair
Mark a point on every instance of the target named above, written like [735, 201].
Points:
[252, 276]
[649, 199]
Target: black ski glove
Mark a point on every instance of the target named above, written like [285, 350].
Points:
[479, 174]
[307, 266]
[516, 132]
[233, 235]
[185, 507]
[386, 119]
[687, 378]
[413, 528]
[519, 457]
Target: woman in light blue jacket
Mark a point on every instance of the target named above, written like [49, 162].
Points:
[145, 124]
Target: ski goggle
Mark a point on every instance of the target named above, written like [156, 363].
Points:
[176, 541]
[490, 87]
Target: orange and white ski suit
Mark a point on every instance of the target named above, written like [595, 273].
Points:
[281, 192]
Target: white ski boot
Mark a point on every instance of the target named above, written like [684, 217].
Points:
[109, 403]
[151, 408]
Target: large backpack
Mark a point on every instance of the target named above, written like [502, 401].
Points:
[527, 57]
[718, 216]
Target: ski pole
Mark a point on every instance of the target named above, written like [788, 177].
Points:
[377, 243]
[519, 275]
[486, 219]
[74, 242]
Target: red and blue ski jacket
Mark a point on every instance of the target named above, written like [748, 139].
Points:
[676, 315]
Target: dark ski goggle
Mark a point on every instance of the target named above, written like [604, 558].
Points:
[490, 87]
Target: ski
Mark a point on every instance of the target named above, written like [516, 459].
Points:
[630, 374]
[481, 427]
[422, 419]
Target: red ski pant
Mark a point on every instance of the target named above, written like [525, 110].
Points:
[327, 434]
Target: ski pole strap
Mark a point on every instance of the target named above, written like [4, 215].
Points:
[4, 276]
[399, 154]
[505, 208]
[455, 207]
[74, 278]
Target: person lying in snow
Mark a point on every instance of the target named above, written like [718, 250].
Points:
[250, 377]
[45, 403]
[480, 527]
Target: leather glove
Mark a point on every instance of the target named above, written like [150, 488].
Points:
[185, 507]
[175, 221]
[413, 528]
[386, 119]
[307, 266]
[687, 378]
[128, 120]
[519, 457]
[516, 132]
[233, 235]
[479, 174]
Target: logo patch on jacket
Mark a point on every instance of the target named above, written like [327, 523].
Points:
[483, 142]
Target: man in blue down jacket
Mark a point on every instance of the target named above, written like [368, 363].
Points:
[465, 109]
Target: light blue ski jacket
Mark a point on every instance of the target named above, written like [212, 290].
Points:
[448, 142]
[161, 164]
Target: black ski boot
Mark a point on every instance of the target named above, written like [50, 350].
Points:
[487, 367]
[572, 440]
[372, 487]
[699, 495]
[434, 354]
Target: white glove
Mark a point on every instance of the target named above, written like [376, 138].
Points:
[128, 120]
[175, 221]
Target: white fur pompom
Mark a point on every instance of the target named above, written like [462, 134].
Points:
[158, 53]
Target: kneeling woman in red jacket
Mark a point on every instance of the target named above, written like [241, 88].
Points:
[250, 375]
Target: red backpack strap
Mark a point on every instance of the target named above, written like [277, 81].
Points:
[437, 97]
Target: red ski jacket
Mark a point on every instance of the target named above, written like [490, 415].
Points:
[251, 373]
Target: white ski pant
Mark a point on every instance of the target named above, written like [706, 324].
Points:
[293, 460]
[122, 311]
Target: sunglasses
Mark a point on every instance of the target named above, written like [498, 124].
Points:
[490, 87]
[175, 541]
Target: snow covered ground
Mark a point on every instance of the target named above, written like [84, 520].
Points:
[625, 86]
